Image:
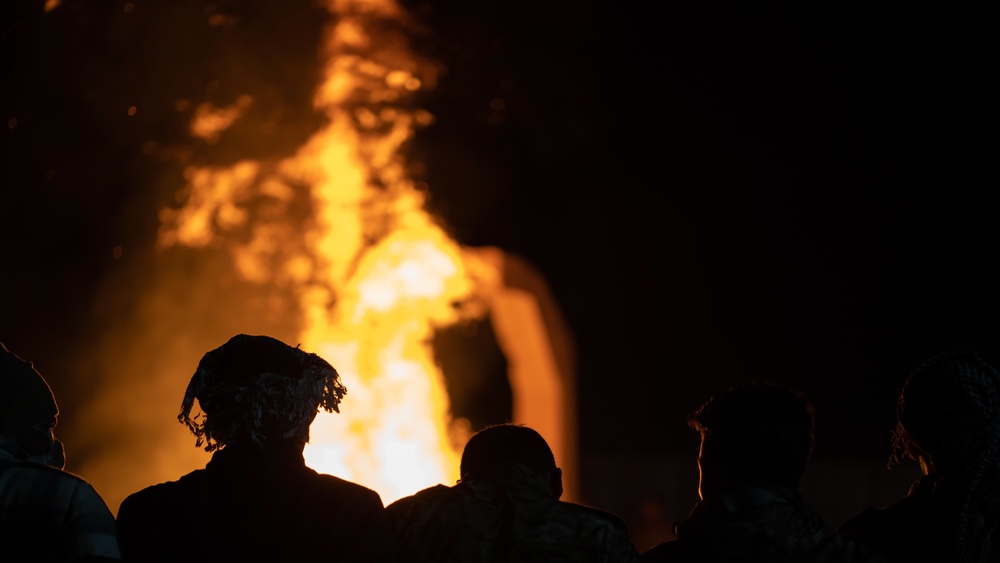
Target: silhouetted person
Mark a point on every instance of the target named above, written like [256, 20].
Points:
[948, 420]
[755, 442]
[505, 508]
[46, 514]
[256, 500]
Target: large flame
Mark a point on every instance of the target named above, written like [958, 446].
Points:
[372, 273]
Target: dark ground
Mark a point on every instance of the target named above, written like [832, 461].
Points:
[794, 191]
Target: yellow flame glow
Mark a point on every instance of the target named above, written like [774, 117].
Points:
[394, 434]
[373, 274]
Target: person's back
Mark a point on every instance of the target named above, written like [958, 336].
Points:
[760, 524]
[505, 509]
[46, 514]
[256, 500]
[50, 515]
[755, 442]
[948, 420]
[248, 505]
[910, 530]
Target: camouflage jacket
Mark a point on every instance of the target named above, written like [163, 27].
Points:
[757, 524]
[509, 519]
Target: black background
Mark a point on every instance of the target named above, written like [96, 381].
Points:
[795, 191]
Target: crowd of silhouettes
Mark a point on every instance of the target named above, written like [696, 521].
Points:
[256, 500]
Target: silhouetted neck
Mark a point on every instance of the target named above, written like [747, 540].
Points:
[281, 454]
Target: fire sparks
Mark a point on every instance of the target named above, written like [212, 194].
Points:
[372, 273]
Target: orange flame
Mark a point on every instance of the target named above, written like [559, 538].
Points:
[372, 272]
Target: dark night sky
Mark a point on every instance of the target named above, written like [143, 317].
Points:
[719, 192]
[714, 191]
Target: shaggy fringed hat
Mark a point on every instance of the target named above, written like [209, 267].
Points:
[258, 388]
[25, 397]
[948, 405]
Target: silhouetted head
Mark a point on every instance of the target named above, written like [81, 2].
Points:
[493, 451]
[948, 418]
[258, 389]
[27, 412]
[756, 435]
[947, 407]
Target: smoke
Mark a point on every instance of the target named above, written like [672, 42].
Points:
[183, 304]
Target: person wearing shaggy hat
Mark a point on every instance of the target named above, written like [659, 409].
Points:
[948, 421]
[256, 500]
[46, 514]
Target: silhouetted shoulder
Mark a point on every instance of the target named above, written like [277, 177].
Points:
[43, 478]
[435, 507]
[592, 515]
[595, 531]
[154, 510]
[249, 515]
[12, 464]
[903, 531]
[343, 490]
[864, 524]
[421, 500]
[46, 513]
[317, 485]
[36, 480]
[430, 495]
[674, 550]
[162, 496]
[837, 549]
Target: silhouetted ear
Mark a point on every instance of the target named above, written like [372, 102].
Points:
[555, 481]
